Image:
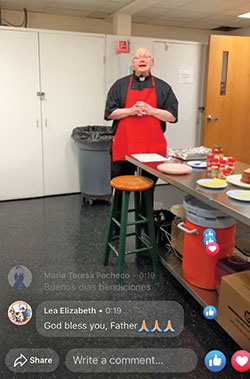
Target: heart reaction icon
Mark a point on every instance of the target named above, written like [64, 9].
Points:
[241, 361]
[212, 248]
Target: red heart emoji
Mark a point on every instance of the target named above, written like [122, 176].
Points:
[212, 248]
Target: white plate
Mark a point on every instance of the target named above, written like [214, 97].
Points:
[235, 179]
[197, 164]
[174, 168]
[241, 195]
[206, 183]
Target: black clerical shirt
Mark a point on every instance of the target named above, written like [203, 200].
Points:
[116, 97]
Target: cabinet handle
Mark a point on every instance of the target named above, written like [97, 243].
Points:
[40, 94]
[45, 122]
[37, 123]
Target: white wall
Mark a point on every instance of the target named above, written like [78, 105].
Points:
[241, 32]
[60, 22]
[159, 31]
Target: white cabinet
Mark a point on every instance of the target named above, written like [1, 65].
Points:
[72, 77]
[20, 133]
[37, 155]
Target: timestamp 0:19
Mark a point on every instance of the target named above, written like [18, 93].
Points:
[113, 310]
[146, 275]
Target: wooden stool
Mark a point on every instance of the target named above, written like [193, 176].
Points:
[140, 186]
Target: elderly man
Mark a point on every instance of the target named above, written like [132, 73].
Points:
[139, 105]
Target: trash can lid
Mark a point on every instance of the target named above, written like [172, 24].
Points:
[202, 214]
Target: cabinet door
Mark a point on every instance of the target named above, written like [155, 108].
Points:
[182, 65]
[72, 77]
[20, 132]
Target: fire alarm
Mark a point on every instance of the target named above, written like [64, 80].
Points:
[122, 47]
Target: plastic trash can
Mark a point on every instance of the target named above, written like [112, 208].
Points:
[94, 144]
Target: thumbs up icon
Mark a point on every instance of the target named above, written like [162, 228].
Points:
[210, 312]
[215, 361]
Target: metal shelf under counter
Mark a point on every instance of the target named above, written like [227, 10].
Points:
[173, 265]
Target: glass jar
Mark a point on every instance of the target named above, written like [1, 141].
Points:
[217, 151]
[231, 165]
[209, 162]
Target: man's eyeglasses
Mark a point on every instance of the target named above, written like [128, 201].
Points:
[142, 57]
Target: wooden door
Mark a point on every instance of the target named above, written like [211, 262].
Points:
[72, 78]
[227, 109]
[20, 128]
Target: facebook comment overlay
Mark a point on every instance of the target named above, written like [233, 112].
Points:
[110, 319]
[131, 360]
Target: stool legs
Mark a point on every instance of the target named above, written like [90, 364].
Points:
[123, 232]
[138, 227]
[151, 232]
[141, 245]
[111, 227]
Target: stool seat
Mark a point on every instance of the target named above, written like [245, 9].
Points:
[141, 187]
[132, 183]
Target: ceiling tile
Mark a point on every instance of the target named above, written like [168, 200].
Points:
[171, 4]
[216, 21]
[235, 11]
[126, 2]
[100, 15]
[212, 6]
[77, 4]
[202, 24]
[229, 20]
[67, 12]
[151, 12]
[30, 5]
[158, 21]
[110, 7]
[203, 14]
[242, 22]
[196, 24]
[84, 5]
[184, 14]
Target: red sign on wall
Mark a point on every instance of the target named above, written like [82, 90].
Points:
[122, 47]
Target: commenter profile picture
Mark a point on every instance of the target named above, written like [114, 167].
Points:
[19, 277]
[19, 312]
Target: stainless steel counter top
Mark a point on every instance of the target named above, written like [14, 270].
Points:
[216, 198]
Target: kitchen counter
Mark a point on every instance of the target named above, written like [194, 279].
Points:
[216, 198]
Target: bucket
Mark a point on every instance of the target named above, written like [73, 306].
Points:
[198, 266]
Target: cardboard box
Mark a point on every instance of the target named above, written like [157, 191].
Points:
[230, 265]
[177, 236]
[234, 307]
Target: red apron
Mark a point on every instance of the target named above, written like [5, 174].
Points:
[138, 135]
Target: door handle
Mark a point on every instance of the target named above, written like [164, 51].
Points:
[211, 118]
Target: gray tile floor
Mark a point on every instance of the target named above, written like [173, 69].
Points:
[61, 234]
